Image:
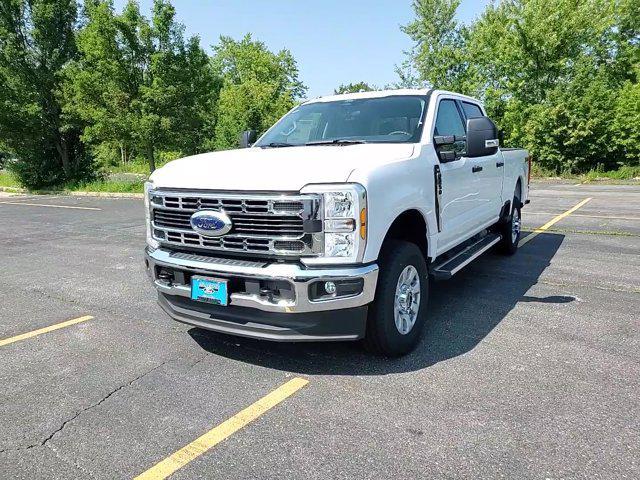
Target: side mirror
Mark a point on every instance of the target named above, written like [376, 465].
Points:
[452, 154]
[248, 138]
[482, 137]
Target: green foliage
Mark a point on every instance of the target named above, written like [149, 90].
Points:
[138, 84]
[559, 76]
[354, 88]
[438, 57]
[37, 39]
[7, 179]
[106, 186]
[625, 127]
[259, 87]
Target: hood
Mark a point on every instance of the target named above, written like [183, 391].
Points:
[279, 169]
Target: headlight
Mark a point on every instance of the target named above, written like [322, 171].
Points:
[345, 218]
[148, 186]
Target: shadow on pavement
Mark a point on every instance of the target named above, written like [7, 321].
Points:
[462, 312]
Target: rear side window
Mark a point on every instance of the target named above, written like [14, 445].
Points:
[471, 110]
[449, 121]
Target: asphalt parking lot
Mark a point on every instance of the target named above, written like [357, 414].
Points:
[530, 367]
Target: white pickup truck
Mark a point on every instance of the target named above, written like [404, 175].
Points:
[331, 225]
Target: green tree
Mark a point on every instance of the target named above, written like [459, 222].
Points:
[259, 87]
[140, 85]
[354, 88]
[550, 72]
[558, 76]
[37, 40]
[438, 58]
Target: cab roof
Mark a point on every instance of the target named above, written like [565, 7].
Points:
[387, 93]
[372, 94]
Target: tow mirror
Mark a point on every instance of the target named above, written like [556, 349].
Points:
[482, 137]
[449, 155]
[248, 138]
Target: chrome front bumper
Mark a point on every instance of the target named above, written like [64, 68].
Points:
[300, 279]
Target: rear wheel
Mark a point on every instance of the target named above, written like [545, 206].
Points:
[398, 314]
[511, 229]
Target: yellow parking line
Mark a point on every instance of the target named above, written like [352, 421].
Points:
[40, 331]
[227, 428]
[49, 205]
[552, 222]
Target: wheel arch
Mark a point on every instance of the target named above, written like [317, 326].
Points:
[410, 226]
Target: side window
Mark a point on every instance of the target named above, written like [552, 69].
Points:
[471, 110]
[449, 121]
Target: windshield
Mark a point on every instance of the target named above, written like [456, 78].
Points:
[393, 119]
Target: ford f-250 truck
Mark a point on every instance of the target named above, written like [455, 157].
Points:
[331, 225]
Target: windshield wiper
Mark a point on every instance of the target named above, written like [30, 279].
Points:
[337, 141]
[277, 145]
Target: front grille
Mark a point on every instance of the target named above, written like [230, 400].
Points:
[268, 224]
[274, 225]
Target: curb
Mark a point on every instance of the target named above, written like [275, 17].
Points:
[73, 194]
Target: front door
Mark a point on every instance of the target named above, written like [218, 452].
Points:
[461, 200]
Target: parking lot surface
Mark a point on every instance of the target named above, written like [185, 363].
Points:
[530, 367]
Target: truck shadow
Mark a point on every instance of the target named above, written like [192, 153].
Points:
[463, 311]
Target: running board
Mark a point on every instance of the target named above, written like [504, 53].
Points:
[453, 265]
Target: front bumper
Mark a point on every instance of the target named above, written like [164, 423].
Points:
[294, 317]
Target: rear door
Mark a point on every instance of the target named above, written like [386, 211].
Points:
[488, 173]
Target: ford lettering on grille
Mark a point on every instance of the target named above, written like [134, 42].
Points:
[210, 223]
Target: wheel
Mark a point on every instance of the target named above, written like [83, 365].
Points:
[398, 314]
[510, 230]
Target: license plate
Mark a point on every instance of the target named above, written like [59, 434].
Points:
[209, 290]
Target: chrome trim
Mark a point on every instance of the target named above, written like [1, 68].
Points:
[297, 276]
[288, 224]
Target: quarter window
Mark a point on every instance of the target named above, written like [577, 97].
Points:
[471, 110]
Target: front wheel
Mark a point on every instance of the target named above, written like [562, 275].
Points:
[398, 314]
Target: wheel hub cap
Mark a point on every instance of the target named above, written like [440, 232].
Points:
[407, 300]
[515, 225]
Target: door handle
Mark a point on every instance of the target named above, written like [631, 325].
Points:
[476, 169]
[499, 164]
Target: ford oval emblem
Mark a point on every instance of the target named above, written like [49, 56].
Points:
[210, 223]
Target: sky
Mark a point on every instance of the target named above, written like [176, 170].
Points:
[333, 41]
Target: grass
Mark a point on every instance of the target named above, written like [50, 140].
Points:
[137, 167]
[625, 173]
[107, 186]
[7, 179]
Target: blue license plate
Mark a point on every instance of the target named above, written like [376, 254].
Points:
[209, 290]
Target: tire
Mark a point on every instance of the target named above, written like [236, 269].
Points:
[510, 230]
[382, 335]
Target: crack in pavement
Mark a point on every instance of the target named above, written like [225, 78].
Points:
[46, 440]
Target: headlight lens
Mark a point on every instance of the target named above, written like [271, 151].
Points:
[344, 222]
[339, 205]
[339, 244]
[148, 186]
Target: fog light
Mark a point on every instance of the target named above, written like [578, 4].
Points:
[330, 287]
[332, 290]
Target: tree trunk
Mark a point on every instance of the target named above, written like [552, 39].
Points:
[151, 157]
[123, 158]
[61, 147]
